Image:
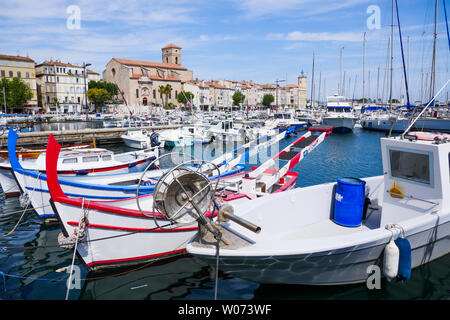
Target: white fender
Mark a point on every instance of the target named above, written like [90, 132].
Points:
[391, 259]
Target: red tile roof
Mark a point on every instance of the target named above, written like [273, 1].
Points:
[171, 45]
[7, 57]
[58, 63]
[140, 63]
[137, 76]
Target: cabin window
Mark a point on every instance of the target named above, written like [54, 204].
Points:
[70, 160]
[410, 166]
[107, 157]
[90, 159]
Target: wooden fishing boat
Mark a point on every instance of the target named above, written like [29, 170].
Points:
[130, 231]
[33, 153]
[79, 162]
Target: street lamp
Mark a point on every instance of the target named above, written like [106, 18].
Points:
[276, 94]
[85, 89]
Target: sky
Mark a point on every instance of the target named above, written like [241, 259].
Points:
[258, 40]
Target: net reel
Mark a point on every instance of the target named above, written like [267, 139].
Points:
[184, 193]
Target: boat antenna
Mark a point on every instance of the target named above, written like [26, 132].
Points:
[429, 103]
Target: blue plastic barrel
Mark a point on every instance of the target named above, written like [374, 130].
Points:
[349, 202]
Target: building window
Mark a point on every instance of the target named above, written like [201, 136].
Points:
[27, 74]
[3, 73]
[79, 100]
[176, 60]
[26, 64]
[137, 93]
[113, 71]
[10, 74]
[48, 99]
[154, 94]
[10, 63]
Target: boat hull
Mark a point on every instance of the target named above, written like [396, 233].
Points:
[341, 125]
[347, 265]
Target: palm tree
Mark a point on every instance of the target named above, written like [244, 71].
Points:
[165, 90]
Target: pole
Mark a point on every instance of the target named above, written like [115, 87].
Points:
[312, 86]
[4, 99]
[378, 83]
[392, 57]
[364, 69]
[433, 65]
[340, 75]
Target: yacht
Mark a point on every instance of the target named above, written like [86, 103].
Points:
[339, 114]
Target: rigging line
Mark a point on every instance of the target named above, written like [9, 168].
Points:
[446, 24]
[403, 56]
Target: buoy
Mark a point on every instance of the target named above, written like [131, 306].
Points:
[391, 260]
[404, 264]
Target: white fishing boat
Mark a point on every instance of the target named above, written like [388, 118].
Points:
[338, 233]
[227, 130]
[339, 114]
[33, 184]
[80, 162]
[175, 138]
[197, 133]
[141, 139]
[114, 233]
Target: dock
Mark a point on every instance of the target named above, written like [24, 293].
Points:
[95, 136]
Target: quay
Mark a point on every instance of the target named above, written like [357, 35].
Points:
[95, 136]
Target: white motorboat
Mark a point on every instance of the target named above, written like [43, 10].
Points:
[336, 234]
[141, 139]
[339, 114]
[175, 138]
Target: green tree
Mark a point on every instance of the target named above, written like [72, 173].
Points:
[111, 87]
[268, 99]
[98, 97]
[184, 97]
[16, 91]
[165, 90]
[238, 98]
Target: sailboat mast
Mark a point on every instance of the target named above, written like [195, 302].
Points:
[313, 84]
[392, 57]
[340, 74]
[403, 56]
[364, 68]
[433, 64]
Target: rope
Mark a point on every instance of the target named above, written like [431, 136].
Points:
[216, 280]
[23, 213]
[81, 225]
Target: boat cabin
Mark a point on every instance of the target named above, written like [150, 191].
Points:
[80, 157]
[338, 104]
[416, 175]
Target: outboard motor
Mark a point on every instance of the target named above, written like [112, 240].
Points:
[154, 139]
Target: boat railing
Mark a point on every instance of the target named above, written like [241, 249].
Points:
[423, 110]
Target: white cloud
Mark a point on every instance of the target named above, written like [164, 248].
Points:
[261, 8]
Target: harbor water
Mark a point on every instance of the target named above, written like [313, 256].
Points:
[30, 256]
